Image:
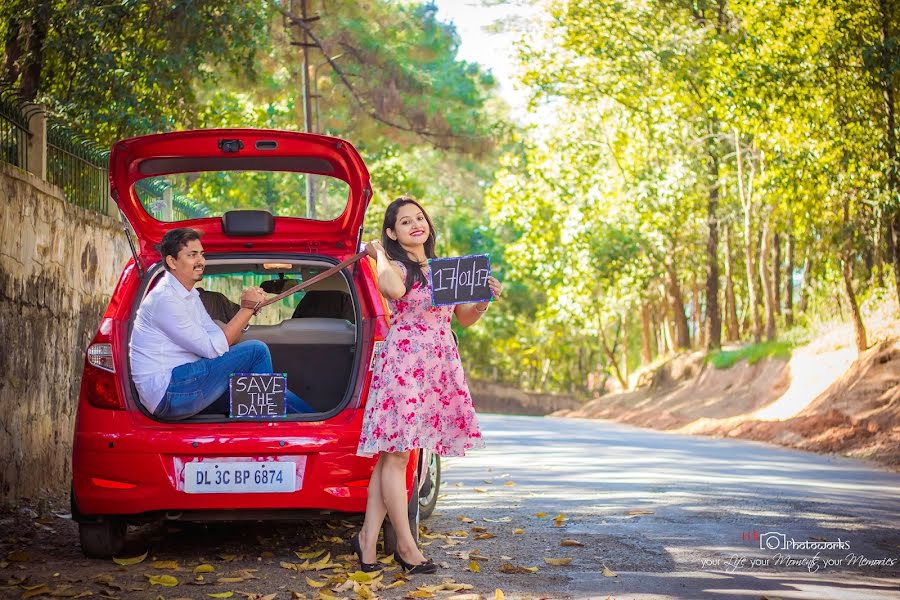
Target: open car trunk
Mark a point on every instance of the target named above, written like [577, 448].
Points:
[314, 336]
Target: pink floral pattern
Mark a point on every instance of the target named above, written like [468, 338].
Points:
[419, 397]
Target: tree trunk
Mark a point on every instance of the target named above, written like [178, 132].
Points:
[895, 236]
[34, 49]
[713, 323]
[888, 51]
[625, 348]
[768, 293]
[682, 338]
[859, 329]
[749, 250]
[776, 271]
[611, 356]
[12, 48]
[699, 319]
[789, 283]
[803, 304]
[732, 328]
[646, 352]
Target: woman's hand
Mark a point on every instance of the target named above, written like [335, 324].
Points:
[373, 248]
[496, 288]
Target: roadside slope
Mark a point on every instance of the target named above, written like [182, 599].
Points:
[824, 399]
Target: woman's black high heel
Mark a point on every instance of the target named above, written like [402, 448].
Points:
[424, 568]
[363, 566]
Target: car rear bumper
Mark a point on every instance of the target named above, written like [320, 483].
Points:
[116, 474]
[140, 483]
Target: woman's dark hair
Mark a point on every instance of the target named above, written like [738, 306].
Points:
[393, 248]
[174, 241]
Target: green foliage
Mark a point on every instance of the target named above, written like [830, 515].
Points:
[752, 353]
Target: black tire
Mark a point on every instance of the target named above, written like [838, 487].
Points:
[412, 512]
[428, 499]
[102, 539]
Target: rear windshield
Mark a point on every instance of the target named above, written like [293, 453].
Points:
[183, 196]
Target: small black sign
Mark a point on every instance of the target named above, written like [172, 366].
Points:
[257, 395]
[460, 279]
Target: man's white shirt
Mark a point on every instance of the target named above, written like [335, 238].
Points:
[171, 328]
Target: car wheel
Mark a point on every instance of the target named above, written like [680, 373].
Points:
[413, 512]
[431, 487]
[102, 539]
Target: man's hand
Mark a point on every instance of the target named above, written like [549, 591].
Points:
[252, 296]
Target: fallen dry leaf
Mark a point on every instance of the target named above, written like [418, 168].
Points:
[498, 595]
[485, 536]
[39, 590]
[420, 594]
[465, 519]
[479, 490]
[540, 515]
[130, 561]
[473, 566]
[305, 555]
[478, 529]
[510, 483]
[164, 564]
[204, 569]
[315, 584]
[231, 557]
[500, 520]
[559, 520]
[639, 512]
[221, 595]
[568, 542]
[517, 570]
[557, 562]
[163, 580]
[17, 556]
[518, 531]
[607, 572]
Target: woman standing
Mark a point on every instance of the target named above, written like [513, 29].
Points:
[419, 397]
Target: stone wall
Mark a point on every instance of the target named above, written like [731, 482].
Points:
[494, 398]
[58, 267]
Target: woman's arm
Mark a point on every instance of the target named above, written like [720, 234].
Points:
[468, 314]
[390, 279]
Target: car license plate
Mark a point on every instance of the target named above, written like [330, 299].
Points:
[211, 477]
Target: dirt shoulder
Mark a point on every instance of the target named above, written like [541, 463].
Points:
[824, 399]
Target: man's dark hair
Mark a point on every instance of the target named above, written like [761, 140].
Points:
[175, 240]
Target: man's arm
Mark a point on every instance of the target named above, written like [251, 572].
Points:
[235, 327]
[176, 323]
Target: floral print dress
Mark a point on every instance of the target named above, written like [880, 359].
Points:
[419, 397]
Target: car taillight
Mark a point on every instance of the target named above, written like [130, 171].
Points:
[100, 355]
[98, 383]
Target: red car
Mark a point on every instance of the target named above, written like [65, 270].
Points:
[274, 208]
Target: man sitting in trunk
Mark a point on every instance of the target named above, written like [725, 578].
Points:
[180, 359]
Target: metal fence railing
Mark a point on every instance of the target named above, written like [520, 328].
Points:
[13, 131]
[183, 208]
[78, 168]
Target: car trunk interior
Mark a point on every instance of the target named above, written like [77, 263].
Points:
[312, 335]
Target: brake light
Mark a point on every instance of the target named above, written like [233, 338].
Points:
[98, 382]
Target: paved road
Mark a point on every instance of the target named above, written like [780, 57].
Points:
[673, 517]
[708, 501]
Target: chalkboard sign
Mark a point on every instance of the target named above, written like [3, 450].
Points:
[460, 279]
[257, 395]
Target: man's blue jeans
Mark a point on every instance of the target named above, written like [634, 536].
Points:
[202, 383]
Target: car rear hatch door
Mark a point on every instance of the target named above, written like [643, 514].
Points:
[315, 187]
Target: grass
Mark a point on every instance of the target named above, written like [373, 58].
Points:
[725, 359]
